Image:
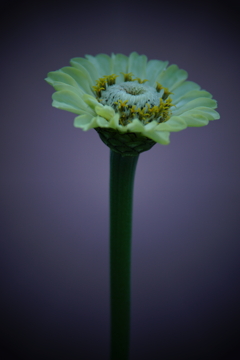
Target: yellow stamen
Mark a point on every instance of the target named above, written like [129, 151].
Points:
[166, 93]
[140, 81]
[101, 83]
[128, 76]
[121, 104]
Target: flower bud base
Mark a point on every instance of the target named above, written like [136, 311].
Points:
[126, 144]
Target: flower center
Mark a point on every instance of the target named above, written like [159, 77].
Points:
[134, 99]
[132, 93]
[133, 88]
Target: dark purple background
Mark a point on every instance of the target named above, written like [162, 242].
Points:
[54, 190]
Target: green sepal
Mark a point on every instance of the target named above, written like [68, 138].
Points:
[126, 144]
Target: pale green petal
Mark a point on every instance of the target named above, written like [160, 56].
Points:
[195, 118]
[106, 112]
[150, 126]
[60, 86]
[60, 77]
[194, 94]
[82, 77]
[183, 89]
[85, 65]
[200, 116]
[120, 65]
[172, 77]
[136, 125]
[88, 66]
[68, 100]
[102, 63]
[176, 123]
[137, 65]
[102, 122]
[161, 137]
[83, 121]
[209, 113]
[105, 63]
[206, 102]
[85, 125]
[181, 76]
[68, 107]
[154, 69]
[90, 101]
[114, 121]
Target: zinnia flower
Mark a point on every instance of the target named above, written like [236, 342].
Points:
[131, 102]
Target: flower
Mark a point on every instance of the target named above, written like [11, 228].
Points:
[131, 102]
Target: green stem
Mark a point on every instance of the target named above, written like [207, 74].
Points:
[122, 170]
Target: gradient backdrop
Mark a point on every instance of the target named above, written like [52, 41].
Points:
[54, 190]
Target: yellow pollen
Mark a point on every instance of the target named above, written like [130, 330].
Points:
[127, 76]
[166, 93]
[101, 84]
[121, 104]
[140, 81]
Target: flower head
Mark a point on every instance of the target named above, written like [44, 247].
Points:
[131, 102]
